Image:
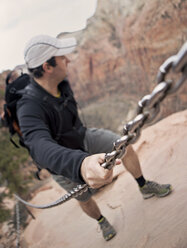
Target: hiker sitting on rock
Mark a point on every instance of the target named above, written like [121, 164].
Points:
[55, 136]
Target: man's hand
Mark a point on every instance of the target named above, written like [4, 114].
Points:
[93, 174]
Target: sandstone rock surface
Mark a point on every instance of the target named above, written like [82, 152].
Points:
[153, 223]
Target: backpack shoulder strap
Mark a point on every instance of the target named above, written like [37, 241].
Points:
[35, 94]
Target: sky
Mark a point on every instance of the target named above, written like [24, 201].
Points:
[20, 20]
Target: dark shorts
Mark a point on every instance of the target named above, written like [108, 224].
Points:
[95, 141]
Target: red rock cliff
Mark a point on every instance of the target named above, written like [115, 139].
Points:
[123, 46]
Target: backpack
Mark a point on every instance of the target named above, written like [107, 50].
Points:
[13, 92]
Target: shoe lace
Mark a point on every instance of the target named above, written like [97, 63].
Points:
[104, 225]
[155, 185]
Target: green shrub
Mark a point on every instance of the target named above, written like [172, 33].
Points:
[5, 214]
[11, 176]
[2, 94]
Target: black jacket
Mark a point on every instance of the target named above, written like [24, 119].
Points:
[52, 130]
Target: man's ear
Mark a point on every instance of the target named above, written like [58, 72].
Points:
[47, 67]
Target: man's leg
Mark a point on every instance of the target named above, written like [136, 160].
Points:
[91, 209]
[131, 162]
[147, 188]
[88, 205]
[101, 140]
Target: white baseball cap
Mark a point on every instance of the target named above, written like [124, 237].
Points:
[43, 47]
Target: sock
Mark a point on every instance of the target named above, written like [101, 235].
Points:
[141, 181]
[101, 218]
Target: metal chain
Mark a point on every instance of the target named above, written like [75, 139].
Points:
[17, 217]
[148, 109]
[149, 105]
[79, 190]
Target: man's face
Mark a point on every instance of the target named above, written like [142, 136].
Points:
[61, 70]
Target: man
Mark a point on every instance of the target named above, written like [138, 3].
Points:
[55, 136]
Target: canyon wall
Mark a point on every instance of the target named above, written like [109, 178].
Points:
[122, 48]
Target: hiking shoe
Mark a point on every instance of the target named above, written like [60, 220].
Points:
[152, 188]
[107, 230]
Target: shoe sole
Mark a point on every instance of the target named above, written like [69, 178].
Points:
[147, 196]
[110, 236]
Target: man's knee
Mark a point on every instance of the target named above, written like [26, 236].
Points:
[129, 151]
[85, 203]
